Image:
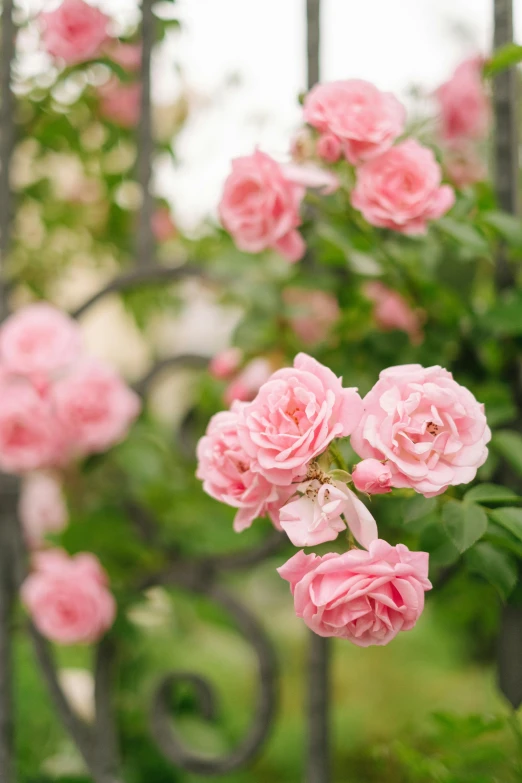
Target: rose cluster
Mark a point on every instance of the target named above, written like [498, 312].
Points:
[57, 405]
[273, 456]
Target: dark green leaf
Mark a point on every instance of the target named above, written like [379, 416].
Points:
[505, 318]
[508, 226]
[499, 568]
[490, 493]
[504, 57]
[509, 445]
[509, 518]
[464, 522]
[465, 234]
[418, 508]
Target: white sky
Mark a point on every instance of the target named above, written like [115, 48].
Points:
[394, 43]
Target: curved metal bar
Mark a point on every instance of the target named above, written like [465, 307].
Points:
[188, 361]
[139, 276]
[163, 730]
[145, 243]
[105, 738]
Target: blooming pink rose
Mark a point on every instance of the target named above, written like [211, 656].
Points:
[41, 507]
[315, 516]
[225, 363]
[94, 407]
[464, 105]
[372, 477]
[246, 385]
[464, 165]
[39, 339]
[260, 207]
[313, 313]
[163, 226]
[365, 120]
[401, 189]
[120, 102]
[365, 597]
[29, 437]
[67, 597]
[392, 311]
[75, 31]
[225, 470]
[294, 417]
[329, 147]
[128, 55]
[432, 431]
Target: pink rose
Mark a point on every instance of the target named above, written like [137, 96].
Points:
[67, 597]
[225, 470]
[29, 437]
[75, 31]
[401, 189]
[365, 120]
[432, 431]
[464, 165]
[329, 147]
[365, 597]
[120, 103]
[41, 507]
[39, 339]
[294, 417]
[128, 55]
[313, 313]
[225, 363]
[372, 477]
[392, 311]
[94, 407]
[260, 207]
[246, 385]
[163, 226]
[464, 105]
[315, 516]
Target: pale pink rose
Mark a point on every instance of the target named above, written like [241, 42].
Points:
[94, 407]
[225, 363]
[294, 417]
[365, 120]
[315, 516]
[128, 55]
[39, 339]
[163, 226]
[463, 164]
[120, 102]
[392, 311]
[329, 147]
[464, 104]
[313, 313]
[67, 597]
[247, 384]
[225, 470]
[432, 431]
[260, 207]
[365, 597]
[75, 31]
[41, 507]
[401, 189]
[372, 477]
[29, 435]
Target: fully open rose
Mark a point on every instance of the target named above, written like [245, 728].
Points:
[67, 597]
[464, 104]
[432, 431]
[294, 417]
[365, 597]
[75, 31]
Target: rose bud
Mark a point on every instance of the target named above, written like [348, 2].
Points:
[372, 477]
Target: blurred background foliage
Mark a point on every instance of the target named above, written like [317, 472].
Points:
[426, 708]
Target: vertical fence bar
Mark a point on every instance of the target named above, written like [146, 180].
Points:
[145, 244]
[7, 485]
[318, 748]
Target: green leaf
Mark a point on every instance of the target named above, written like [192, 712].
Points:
[499, 568]
[505, 318]
[418, 507]
[508, 226]
[510, 519]
[464, 522]
[503, 58]
[464, 234]
[435, 540]
[489, 493]
[509, 445]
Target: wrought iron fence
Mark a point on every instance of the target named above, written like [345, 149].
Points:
[98, 743]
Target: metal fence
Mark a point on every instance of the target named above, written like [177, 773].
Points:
[98, 743]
